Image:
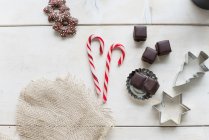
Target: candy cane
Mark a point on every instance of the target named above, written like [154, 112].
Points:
[91, 60]
[107, 69]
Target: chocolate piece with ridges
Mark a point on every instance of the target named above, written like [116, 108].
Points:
[149, 55]
[151, 86]
[138, 80]
[163, 47]
[140, 33]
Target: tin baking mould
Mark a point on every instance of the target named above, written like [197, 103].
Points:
[192, 68]
[171, 109]
[142, 84]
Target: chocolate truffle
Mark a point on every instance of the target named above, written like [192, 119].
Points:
[151, 86]
[163, 47]
[140, 33]
[138, 80]
[149, 55]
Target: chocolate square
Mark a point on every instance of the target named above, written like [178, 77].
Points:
[138, 80]
[163, 47]
[149, 55]
[140, 33]
[151, 86]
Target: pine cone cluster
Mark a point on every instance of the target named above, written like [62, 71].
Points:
[59, 13]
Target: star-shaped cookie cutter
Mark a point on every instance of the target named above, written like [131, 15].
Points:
[193, 63]
[165, 111]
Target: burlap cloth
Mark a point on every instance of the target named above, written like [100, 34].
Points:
[61, 110]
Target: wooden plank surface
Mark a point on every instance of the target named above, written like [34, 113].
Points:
[150, 133]
[30, 53]
[30, 12]
[177, 12]
[136, 133]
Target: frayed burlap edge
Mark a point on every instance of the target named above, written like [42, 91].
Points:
[87, 95]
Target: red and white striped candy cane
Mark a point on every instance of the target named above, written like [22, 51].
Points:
[91, 59]
[107, 69]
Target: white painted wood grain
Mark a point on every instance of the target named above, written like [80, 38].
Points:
[22, 12]
[30, 12]
[136, 133]
[159, 133]
[8, 132]
[178, 12]
[30, 53]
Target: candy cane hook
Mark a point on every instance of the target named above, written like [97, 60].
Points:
[107, 69]
[91, 60]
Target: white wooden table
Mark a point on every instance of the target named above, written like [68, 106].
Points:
[29, 50]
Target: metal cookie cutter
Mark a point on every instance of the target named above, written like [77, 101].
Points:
[192, 68]
[171, 109]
